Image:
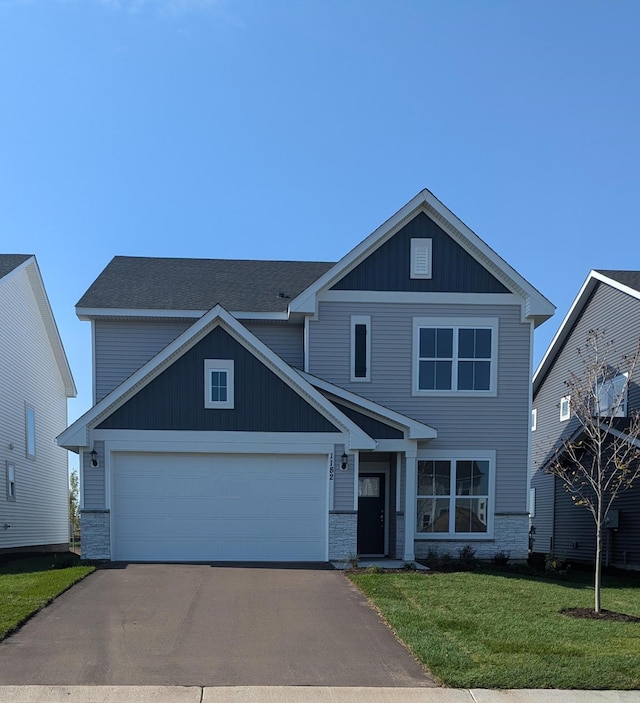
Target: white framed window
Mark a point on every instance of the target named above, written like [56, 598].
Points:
[421, 257]
[11, 481]
[30, 432]
[218, 384]
[455, 356]
[611, 396]
[534, 419]
[454, 496]
[565, 408]
[532, 502]
[360, 347]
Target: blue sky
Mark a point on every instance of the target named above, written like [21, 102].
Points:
[291, 130]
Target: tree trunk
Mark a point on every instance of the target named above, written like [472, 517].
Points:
[597, 576]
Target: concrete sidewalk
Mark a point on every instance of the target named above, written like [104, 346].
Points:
[299, 694]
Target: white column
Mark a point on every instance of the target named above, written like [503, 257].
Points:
[410, 505]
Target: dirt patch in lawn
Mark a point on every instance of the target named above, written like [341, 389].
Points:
[590, 614]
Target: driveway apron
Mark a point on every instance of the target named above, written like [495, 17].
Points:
[202, 625]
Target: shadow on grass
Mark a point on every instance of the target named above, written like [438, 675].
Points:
[33, 563]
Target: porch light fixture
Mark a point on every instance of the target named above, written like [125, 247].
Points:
[94, 457]
[343, 461]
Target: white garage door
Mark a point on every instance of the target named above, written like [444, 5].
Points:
[219, 507]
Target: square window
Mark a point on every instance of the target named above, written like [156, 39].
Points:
[612, 396]
[219, 384]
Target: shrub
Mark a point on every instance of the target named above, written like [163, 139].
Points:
[467, 557]
[501, 558]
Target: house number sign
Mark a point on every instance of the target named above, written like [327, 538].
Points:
[331, 470]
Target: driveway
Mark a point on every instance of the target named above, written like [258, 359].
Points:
[201, 625]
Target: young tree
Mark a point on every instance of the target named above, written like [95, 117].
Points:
[599, 456]
[74, 512]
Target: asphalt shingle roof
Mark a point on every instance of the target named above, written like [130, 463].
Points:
[9, 261]
[149, 283]
[631, 279]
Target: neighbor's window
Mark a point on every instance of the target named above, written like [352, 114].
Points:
[218, 384]
[612, 396]
[453, 497]
[30, 432]
[534, 420]
[565, 408]
[11, 481]
[455, 358]
[360, 348]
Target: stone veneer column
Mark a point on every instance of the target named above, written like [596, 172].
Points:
[95, 534]
[343, 543]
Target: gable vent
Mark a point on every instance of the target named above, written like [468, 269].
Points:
[421, 258]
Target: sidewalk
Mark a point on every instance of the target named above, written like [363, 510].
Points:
[299, 694]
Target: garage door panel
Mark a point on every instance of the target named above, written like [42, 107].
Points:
[196, 507]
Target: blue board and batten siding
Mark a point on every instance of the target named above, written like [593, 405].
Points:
[559, 525]
[175, 399]
[388, 267]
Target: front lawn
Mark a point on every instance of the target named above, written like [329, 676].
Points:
[27, 585]
[493, 630]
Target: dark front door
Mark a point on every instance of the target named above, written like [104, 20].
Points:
[371, 513]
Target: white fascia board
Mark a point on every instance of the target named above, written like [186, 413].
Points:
[93, 313]
[357, 438]
[74, 440]
[416, 430]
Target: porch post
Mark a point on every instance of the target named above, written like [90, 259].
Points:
[411, 464]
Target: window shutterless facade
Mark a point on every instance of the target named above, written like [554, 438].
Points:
[565, 408]
[454, 497]
[218, 384]
[30, 432]
[11, 481]
[360, 348]
[612, 396]
[455, 357]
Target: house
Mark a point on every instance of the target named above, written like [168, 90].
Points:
[608, 301]
[308, 411]
[36, 381]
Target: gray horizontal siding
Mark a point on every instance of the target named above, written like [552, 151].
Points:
[284, 339]
[500, 423]
[617, 313]
[343, 481]
[93, 481]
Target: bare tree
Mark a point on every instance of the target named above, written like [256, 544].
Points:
[598, 458]
[74, 512]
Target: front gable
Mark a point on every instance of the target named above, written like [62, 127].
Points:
[174, 400]
[453, 270]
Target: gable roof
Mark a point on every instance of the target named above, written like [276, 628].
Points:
[12, 264]
[625, 281]
[197, 285]
[536, 306]
[77, 434]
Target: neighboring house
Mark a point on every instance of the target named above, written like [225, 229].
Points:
[35, 381]
[608, 301]
[308, 411]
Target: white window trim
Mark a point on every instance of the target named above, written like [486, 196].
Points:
[564, 416]
[360, 320]
[421, 258]
[11, 481]
[461, 455]
[604, 387]
[30, 455]
[225, 365]
[534, 419]
[456, 324]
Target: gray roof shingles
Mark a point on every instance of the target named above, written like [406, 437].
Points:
[10, 261]
[150, 283]
[631, 279]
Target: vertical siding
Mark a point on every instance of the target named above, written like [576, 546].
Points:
[29, 374]
[617, 313]
[284, 339]
[123, 346]
[500, 423]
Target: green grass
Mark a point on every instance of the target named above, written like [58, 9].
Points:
[491, 630]
[27, 585]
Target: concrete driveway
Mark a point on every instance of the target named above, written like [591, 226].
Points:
[201, 625]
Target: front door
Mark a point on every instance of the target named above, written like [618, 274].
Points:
[371, 514]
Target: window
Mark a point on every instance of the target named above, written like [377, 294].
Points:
[30, 432]
[459, 358]
[453, 497]
[360, 348]
[421, 258]
[612, 396]
[11, 481]
[218, 384]
[534, 419]
[565, 408]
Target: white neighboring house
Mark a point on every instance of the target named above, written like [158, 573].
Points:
[35, 380]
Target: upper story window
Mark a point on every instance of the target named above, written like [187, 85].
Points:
[534, 420]
[30, 432]
[453, 497]
[11, 481]
[565, 408]
[612, 396]
[421, 258]
[456, 358]
[218, 383]
[360, 348]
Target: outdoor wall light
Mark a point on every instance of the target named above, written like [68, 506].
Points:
[94, 457]
[344, 459]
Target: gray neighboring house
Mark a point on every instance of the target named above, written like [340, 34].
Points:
[35, 381]
[609, 301]
[309, 411]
